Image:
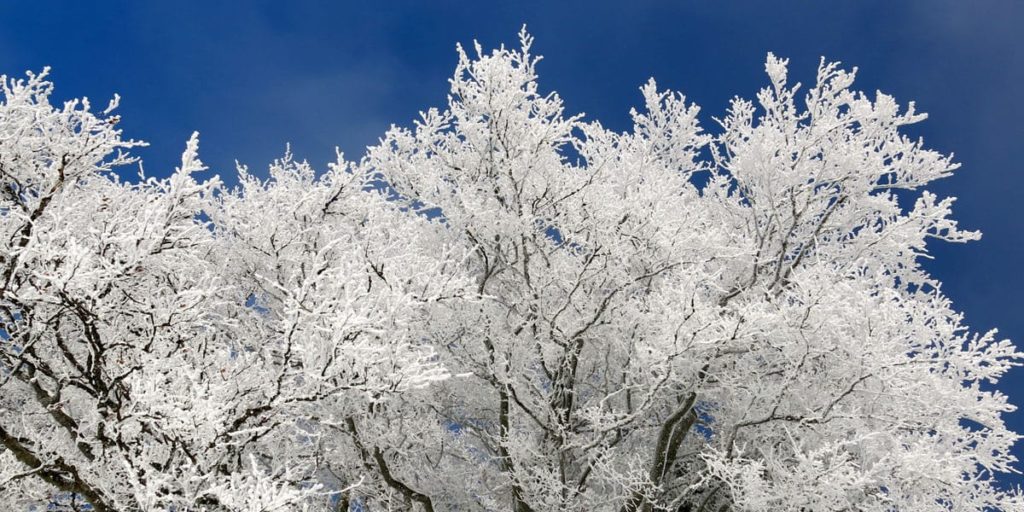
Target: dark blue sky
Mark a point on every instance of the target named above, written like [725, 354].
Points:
[251, 76]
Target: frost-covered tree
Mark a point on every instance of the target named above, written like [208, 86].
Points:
[175, 345]
[665, 330]
[542, 314]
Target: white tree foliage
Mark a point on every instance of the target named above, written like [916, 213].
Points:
[542, 315]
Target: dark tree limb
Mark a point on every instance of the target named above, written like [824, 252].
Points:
[671, 435]
[385, 471]
[57, 473]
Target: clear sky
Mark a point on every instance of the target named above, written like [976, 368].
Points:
[251, 76]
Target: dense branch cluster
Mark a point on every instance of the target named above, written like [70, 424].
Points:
[501, 308]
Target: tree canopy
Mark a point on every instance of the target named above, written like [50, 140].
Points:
[503, 307]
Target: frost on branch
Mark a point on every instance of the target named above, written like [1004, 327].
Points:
[542, 315]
